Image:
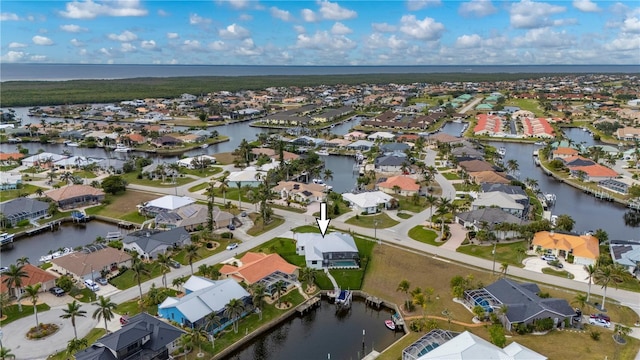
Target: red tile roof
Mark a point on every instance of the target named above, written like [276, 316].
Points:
[35, 275]
[403, 182]
[257, 266]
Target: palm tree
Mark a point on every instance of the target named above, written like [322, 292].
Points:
[328, 175]
[5, 353]
[67, 177]
[212, 321]
[591, 271]
[404, 286]
[23, 261]
[233, 310]
[239, 186]
[177, 282]
[139, 269]
[75, 345]
[503, 268]
[198, 335]
[13, 279]
[211, 197]
[580, 300]
[164, 262]
[308, 275]
[257, 297]
[512, 166]
[224, 185]
[604, 276]
[71, 312]
[191, 254]
[4, 301]
[280, 287]
[104, 310]
[431, 201]
[32, 292]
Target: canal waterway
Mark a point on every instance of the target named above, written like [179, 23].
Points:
[323, 334]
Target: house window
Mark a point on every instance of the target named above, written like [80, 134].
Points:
[314, 262]
[301, 248]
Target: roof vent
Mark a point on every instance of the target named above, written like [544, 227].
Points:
[148, 234]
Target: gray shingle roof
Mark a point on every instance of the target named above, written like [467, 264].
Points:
[148, 240]
[491, 216]
[22, 204]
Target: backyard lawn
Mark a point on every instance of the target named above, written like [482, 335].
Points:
[504, 252]
[132, 178]
[451, 176]
[127, 280]
[121, 205]
[369, 221]
[27, 189]
[258, 228]
[12, 313]
[427, 236]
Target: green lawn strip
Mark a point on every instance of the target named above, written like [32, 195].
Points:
[504, 252]
[25, 189]
[231, 194]
[132, 178]
[306, 229]
[203, 252]
[198, 187]
[84, 174]
[427, 236]
[127, 280]
[289, 208]
[403, 215]
[206, 172]
[559, 273]
[133, 307]
[14, 314]
[91, 337]
[383, 221]
[409, 204]
[259, 229]
[451, 176]
[83, 295]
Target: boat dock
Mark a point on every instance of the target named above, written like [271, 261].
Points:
[397, 320]
[52, 226]
[373, 301]
[309, 305]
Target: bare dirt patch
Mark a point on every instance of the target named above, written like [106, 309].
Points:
[224, 158]
[126, 203]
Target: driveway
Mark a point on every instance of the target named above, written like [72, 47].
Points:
[536, 264]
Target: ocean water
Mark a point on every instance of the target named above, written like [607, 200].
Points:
[57, 72]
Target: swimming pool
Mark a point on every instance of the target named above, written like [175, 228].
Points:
[344, 264]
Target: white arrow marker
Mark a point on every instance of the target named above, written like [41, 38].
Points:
[323, 222]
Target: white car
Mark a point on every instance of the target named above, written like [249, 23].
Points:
[91, 285]
[232, 246]
[599, 322]
[549, 257]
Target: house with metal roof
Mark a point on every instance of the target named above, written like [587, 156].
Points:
[148, 243]
[143, 337]
[23, 208]
[203, 297]
[164, 204]
[334, 250]
[504, 202]
[368, 202]
[627, 254]
[477, 219]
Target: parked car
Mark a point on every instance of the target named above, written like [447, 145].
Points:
[91, 285]
[3, 269]
[174, 264]
[243, 214]
[124, 319]
[548, 257]
[555, 263]
[56, 291]
[599, 322]
[600, 316]
[232, 246]
[231, 227]
[102, 281]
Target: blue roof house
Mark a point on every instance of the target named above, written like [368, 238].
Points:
[203, 297]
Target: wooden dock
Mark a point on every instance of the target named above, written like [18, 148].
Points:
[309, 305]
[373, 301]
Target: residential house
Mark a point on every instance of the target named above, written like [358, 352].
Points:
[44, 159]
[143, 337]
[35, 276]
[516, 192]
[197, 162]
[583, 248]
[72, 196]
[87, 263]
[166, 141]
[362, 145]
[381, 135]
[628, 133]
[266, 269]
[204, 297]
[488, 177]
[471, 166]
[300, 192]
[443, 138]
[193, 217]
[627, 254]
[10, 180]
[614, 185]
[369, 202]
[355, 135]
[288, 156]
[477, 219]
[505, 202]
[401, 185]
[248, 177]
[564, 153]
[334, 250]
[593, 173]
[148, 243]
[23, 208]
[522, 302]
[394, 147]
[164, 204]
[10, 158]
[391, 163]
[467, 151]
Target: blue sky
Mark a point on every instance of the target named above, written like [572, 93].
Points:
[357, 32]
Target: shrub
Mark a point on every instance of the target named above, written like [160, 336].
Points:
[23, 222]
[227, 235]
[65, 283]
[209, 245]
[543, 324]
[409, 306]
[595, 335]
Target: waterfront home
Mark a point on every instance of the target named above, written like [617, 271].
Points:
[564, 153]
[148, 243]
[337, 143]
[583, 248]
[369, 202]
[22, 208]
[488, 177]
[536, 127]
[394, 147]
[443, 138]
[73, 196]
[203, 297]
[400, 185]
[476, 166]
[627, 254]
[381, 136]
[10, 180]
[300, 192]
[288, 156]
[248, 177]
[614, 185]
[490, 217]
[87, 264]
[35, 276]
[593, 173]
[505, 202]
[166, 141]
[468, 151]
[355, 135]
[490, 125]
[362, 145]
[197, 162]
[391, 163]
[518, 194]
[522, 302]
[307, 141]
[266, 269]
[443, 344]
[334, 250]
[628, 133]
[10, 158]
[193, 217]
[164, 204]
[141, 337]
[44, 159]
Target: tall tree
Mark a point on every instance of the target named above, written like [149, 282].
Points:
[308, 275]
[104, 310]
[211, 197]
[565, 222]
[604, 276]
[72, 312]
[5, 353]
[257, 297]
[32, 293]
[233, 310]
[23, 261]
[591, 272]
[139, 269]
[164, 262]
[280, 287]
[13, 280]
[191, 254]
[224, 185]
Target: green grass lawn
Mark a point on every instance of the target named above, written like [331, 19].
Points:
[367, 221]
[526, 104]
[84, 174]
[258, 228]
[199, 187]
[289, 208]
[231, 195]
[83, 295]
[404, 215]
[504, 252]
[559, 273]
[26, 189]
[14, 314]
[127, 280]
[409, 204]
[206, 172]
[133, 307]
[427, 236]
[203, 252]
[91, 337]
[306, 229]
[132, 178]
[451, 176]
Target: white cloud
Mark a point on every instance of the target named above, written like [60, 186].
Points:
[76, 42]
[42, 40]
[17, 45]
[163, 13]
[631, 25]
[72, 28]
[624, 43]
[477, 8]
[5, 16]
[148, 44]
[218, 46]
[90, 9]
[234, 31]
[189, 45]
[333, 11]
[127, 47]
[283, 15]
[586, 5]
[340, 29]
[426, 29]
[245, 17]
[544, 38]
[248, 48]
[383, 27]
[172, 35]
[105, 52]
[38, 58]
[468, 41]
[13, 56]
[309, 15]
[529, 14]
[322, 40]
[236, 4]
[195, 19]
[299, 29]
[414, 5]
[125, 36]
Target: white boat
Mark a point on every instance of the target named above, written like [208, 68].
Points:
[322, 152]
[55, 255]
[390, 324]
[71, 143]
[343, 299]
[502, 151]
[122, 148]
[539, 143]
[318, 181]
[535, 152]
[113, 235]
[204, 146]
[6, 238]
[550, 198]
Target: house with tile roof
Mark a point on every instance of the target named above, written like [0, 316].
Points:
[477, 219]
[475, 166]
[593, 173]
[8, 158]
[563, 153]
[274, 155]
[148, 243]
[301, 192]
[35, 276]
[266, 269]
[87, 264]
[204, 297]
[488, 177]
[400, 185]
[584, 248]
[73, 196]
